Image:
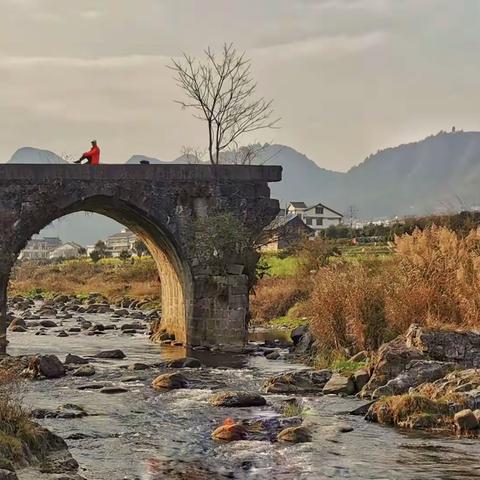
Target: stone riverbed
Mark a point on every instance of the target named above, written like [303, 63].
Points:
[142, 433]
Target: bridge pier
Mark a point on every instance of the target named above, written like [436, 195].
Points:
[3, 314]
[204, 300]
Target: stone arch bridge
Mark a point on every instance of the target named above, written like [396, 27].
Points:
[204, 293]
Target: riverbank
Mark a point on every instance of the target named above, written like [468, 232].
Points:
[136, 278]
[131, 409]
[352, 305]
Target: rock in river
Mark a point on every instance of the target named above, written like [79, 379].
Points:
[84, 371]
[237, 399]
[113, 354]
[465, 420]
[295, 435]
[169, 381]
[390, 361]
[307, 381]
[187, 362]
[339, 384]
[50, 366]
[113, 390]
[75, 359]
[230, 432]
[416, 373]
[48, 323]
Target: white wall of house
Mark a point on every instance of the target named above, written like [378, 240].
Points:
[68, 250]
[118, 242]
[318, 217]
[39, 248]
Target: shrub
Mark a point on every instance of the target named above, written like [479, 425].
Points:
[18, 434]
[274, 297]
[433, 280]
[110, 276]
[314, 254]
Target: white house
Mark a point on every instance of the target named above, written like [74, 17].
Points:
[39, 248]
[317, 216]
[118, 242]
[67, 250]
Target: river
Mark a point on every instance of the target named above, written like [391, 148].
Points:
[125, 436]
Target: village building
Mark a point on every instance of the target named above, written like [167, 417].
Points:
[67, 251]
[317, 216]
[39, 248]
[285, 231]
[118, 242]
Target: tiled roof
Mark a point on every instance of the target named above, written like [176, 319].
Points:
[280, 221]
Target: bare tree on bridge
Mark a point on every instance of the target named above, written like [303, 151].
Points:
[221, 89]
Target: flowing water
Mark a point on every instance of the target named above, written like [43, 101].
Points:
[126, 436]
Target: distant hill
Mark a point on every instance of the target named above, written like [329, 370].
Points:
[35, 155]
[439, 173]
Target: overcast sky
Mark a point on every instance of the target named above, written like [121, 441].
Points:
[347, 76]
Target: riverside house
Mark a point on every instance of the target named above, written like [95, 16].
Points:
[317, 216]
[286, 230]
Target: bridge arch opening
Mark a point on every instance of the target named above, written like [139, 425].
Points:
[173, 269]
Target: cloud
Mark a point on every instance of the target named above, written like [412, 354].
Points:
[91, 14]
[128, 61]
[326, 47]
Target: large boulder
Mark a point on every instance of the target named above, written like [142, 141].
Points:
[415, 373]
[360, 378]
[465, 420]
[303, 341]
[391, 360]
[462, 348]
[306, 381]
[50, 366]
[237, 399]
[460, 387]
[339, 384]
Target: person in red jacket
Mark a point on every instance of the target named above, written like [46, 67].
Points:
[92, 156]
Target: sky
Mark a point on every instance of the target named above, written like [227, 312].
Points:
[347, 77]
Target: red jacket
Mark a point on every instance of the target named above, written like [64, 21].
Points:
[93, 155]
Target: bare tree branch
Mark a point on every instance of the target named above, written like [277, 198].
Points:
[221, 91]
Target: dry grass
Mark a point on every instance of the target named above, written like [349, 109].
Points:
[413, 411]
[113, 279]
[400, 408]
[433, 280]
[274, 297]
[18, 434]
